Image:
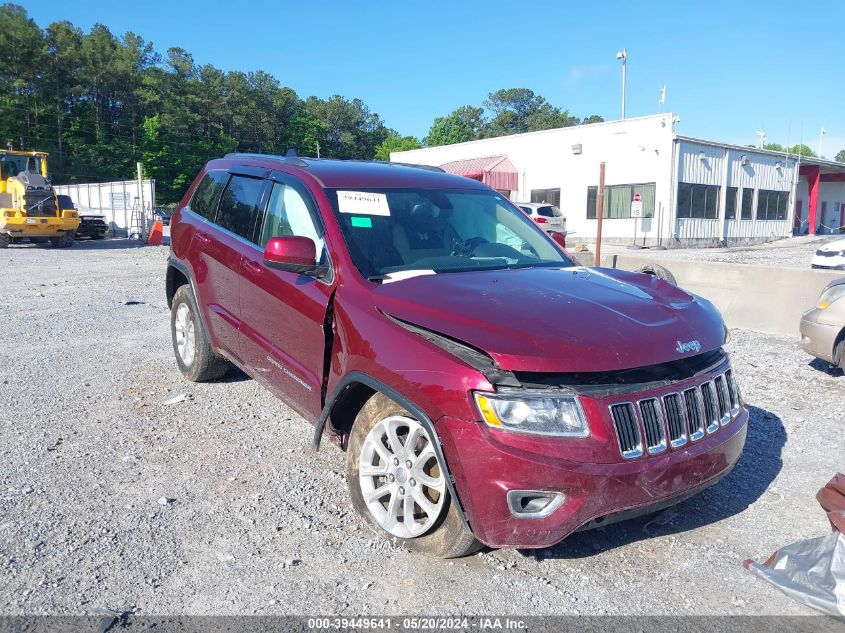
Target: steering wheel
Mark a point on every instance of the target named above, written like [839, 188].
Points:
[466, 248]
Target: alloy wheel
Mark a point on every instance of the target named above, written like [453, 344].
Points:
[185, 340]
[400, 476]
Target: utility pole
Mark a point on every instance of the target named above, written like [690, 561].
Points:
[141, 195]
[623, 56]
[821, 142]
[599, 213]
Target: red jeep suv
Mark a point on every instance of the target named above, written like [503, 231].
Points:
[485, 388]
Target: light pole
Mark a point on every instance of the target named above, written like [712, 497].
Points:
[821, 141]
[623, 55]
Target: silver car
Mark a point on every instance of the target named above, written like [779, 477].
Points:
[823, 327]
[547, 216]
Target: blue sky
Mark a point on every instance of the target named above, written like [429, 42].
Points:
[731, 68]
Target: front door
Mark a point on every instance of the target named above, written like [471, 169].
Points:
[283, 313]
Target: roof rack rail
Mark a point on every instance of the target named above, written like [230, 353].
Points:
[287, 160]
[426, 167]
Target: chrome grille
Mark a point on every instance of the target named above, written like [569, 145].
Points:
[627, 430]
[675, 420]
[655, 424]
[655, 436]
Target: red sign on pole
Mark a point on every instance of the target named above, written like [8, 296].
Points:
[636, 197]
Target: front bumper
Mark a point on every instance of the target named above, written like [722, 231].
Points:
[817, 338]
[598, 484]
[22, 226]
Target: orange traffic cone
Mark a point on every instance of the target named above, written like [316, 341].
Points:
[156, 237]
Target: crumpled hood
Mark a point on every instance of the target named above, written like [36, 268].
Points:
[559, 319]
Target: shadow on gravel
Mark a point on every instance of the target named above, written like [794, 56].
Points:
[757, 468]
[825, 367]
[107, 245]
[232, 375]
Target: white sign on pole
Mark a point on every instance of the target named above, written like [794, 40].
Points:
[636, 206]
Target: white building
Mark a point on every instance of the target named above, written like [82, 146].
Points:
[117, 201]
[693, 192]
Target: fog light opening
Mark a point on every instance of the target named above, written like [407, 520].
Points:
[533, 504]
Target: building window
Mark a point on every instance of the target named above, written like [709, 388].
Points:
[747, 203]
[771, 205]
[730, 203]
[618, 198]
[698, 201]
[546, 196]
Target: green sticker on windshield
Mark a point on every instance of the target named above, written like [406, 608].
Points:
[362, 223]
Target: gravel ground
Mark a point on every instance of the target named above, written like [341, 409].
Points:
[110, 498]
[793, 253]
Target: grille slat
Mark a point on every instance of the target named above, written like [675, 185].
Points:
[675, 420]
[695, 413]
[627, 429]
[733, 391]
[655, 436]
[723, 399]
[711, 415]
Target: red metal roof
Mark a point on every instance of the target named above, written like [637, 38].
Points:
[497, 172]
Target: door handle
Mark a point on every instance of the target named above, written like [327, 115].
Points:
[202, 237]
[252, 267]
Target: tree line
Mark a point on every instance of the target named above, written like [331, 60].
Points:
[100, 102]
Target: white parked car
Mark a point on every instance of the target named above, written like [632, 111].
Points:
[547, 216]
[830, 256]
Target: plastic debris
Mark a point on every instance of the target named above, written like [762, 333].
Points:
[813, 571]
[177, 399]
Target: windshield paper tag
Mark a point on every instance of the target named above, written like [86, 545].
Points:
[362, 203]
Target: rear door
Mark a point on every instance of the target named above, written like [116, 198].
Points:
[216, 252]
[282, 336]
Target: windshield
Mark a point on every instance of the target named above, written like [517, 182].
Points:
[13, 164]
[395, 230]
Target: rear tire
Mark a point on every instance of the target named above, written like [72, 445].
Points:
[195, 357]
[443, 535]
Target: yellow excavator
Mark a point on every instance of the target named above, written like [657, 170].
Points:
[29, 207]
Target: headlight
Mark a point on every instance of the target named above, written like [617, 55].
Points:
[830, 295]
[537, 414]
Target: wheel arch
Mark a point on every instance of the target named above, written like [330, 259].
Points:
[836, 346]
[348, 398]
[177, 276]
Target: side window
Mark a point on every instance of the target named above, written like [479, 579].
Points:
[207, 193]
[239, 205]
[287, 214]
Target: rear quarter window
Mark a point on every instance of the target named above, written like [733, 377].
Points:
[207, 194]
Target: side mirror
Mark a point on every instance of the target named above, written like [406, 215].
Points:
[294, 254]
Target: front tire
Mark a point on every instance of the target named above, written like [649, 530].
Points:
[195, 357]
[5, 240]
[398, 485]
[65, 240]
